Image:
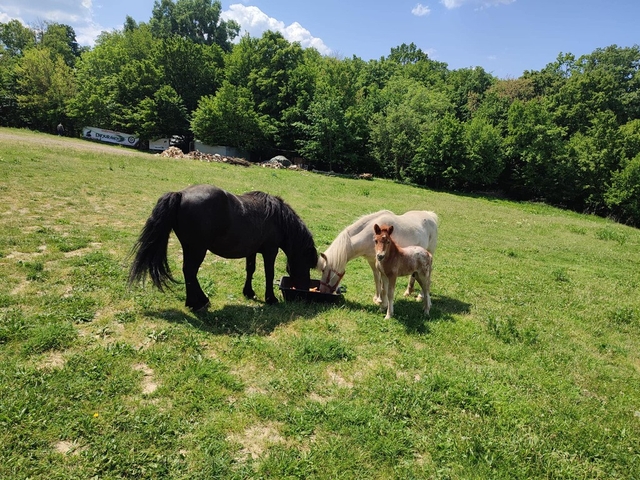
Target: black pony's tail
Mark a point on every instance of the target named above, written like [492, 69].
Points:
[151, 248]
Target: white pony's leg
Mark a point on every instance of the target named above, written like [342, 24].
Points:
[377, 298]
[425, 280]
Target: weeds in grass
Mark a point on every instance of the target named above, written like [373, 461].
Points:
[508, 331]
[49, 335]
[625, 316]
[13, 325]
[611, 235]
[35, 271]
[560, 275]
[321, 349]
[577, 229]
[127, 316]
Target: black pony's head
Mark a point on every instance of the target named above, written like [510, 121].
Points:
[299, 264]
[298, 246]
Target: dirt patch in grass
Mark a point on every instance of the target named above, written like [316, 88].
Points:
[337, 379]
[149, 385]
[66, 447]
[93, 246]
[20, 288]
[25, 257]
[256, 439]
[53, 360]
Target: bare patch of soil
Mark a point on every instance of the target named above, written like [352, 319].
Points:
[65, 447]
[256, 439]
[53, 360]
[148, 383]
[25, 257]
[337, 379]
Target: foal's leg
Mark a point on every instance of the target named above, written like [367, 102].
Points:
[391, 289]
[409, 290]
[191, 260]
[384, 299]
[269, 259]
[377, 298]
[250, 268]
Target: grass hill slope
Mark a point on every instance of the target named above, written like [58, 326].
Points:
[529, 366]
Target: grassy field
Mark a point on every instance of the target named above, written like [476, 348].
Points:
[529, 366]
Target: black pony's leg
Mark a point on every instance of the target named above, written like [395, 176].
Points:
[269, 258]
[247, 291]
[191, 261]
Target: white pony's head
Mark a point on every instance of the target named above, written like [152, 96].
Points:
[331, 277]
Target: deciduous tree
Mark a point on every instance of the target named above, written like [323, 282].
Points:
[229, 118]
[45, 83]
[15, 38]
[196, 20]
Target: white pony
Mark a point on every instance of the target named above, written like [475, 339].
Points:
[417, 227]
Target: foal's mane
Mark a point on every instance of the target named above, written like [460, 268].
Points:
[338, 252]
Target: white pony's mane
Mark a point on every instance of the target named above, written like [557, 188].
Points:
[338, 252]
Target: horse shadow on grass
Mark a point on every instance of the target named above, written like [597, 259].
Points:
[251, 319]
[261, 319]
[408, 311]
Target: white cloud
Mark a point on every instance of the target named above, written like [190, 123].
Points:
[85, 17]
[483, 3]
[76, 13]
[88, 33]
[4, 18]
[420, 10]
[255, 22]
[65, 12]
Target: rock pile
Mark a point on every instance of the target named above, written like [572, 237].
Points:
[175, 152]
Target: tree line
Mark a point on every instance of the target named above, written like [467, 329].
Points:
[568, 134]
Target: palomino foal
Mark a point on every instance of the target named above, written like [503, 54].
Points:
[393, 261]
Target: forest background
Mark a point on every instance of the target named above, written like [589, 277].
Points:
[567, 135]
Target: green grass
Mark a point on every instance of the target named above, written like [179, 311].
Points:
[529, 366]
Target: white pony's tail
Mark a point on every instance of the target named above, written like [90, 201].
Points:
[433, 222]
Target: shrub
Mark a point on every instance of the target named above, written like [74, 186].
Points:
[623, 196]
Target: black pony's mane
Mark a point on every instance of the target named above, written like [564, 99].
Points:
[297, 235]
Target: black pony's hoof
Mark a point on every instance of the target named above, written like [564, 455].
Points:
[249, 294]
[271, 301]
[201, 308]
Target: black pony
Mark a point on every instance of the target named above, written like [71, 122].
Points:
[205, 217]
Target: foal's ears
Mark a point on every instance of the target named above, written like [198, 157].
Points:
[378, 230]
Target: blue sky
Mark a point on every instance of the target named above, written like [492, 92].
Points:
[505, 37]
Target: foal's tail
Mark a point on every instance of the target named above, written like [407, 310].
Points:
[151, 248]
